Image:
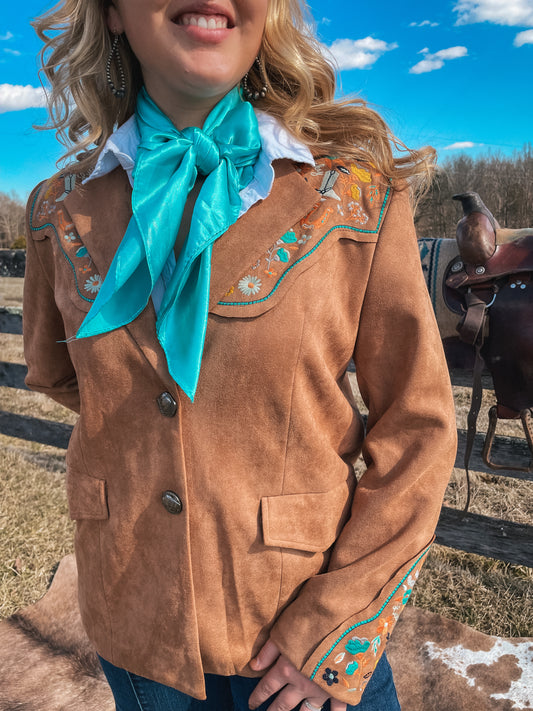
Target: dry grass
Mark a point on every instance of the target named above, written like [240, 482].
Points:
[10, 291]
[35, 531]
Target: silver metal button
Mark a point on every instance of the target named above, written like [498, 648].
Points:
[457, 267]
[172, 502]
[167, 405]
[480, 270]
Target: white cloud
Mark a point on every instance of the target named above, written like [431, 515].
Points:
[424, 23]
[523, 38]
[14, 52]
[460, 145]
[511, 12]
[14, 97]
[8, 35]
[431, 62]
[325, 21]
[359, 54]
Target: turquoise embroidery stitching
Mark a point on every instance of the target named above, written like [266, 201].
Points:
[337, 227]
[49, 224]
[370, 619]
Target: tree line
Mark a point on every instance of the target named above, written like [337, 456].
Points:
[505, 184]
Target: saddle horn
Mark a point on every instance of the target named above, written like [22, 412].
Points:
[476, 231]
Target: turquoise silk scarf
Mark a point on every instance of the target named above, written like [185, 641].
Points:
[168, 163]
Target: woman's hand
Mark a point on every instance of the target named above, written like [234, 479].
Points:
[295, 687]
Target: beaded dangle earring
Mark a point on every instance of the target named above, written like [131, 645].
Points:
[250, 95]
[119, 92]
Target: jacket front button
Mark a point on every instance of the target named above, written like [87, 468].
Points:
[167, 405]
[172, 502]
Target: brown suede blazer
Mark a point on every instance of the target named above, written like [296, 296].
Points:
[265, 531]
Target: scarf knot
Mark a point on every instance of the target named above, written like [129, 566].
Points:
[168, 161]
[207, 153]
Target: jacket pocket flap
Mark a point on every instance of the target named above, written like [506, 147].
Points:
[87, 497]
[307, 522]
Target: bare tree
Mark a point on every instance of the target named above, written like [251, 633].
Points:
[504, 183]
[11, 219]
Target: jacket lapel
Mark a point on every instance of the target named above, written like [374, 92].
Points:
[291, 199]
[101, 211]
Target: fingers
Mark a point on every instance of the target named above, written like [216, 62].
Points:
[291, 697]
[266, 656]
[294, 686]
[272, 682]
[267, 687]
[312, 704]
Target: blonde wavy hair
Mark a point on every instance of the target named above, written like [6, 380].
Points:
[301, 90]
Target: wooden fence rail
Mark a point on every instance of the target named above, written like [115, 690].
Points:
[472, 533]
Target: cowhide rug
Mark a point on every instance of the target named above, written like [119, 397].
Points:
[442, 665]
[47, 663]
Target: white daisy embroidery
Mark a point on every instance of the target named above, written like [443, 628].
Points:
[249, 285]
[93, 284]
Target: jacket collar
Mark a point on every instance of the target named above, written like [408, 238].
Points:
[101, 210]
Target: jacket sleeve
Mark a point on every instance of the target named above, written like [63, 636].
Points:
[50, 370]
[336, 628]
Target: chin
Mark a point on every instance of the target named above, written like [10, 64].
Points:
[210, 87]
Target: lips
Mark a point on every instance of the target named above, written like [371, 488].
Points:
[204, 15]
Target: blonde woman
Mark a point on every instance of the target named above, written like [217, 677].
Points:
[225, 240]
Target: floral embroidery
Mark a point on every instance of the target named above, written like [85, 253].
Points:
[373, 194]
[330, 677]
[340, 193]
[250, 285]
[357, 213]
[355, 656]
[69, 242]
[93, 284]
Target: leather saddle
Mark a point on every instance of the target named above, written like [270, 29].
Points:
[490, 285]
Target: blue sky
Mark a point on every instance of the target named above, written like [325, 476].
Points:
[456, 74]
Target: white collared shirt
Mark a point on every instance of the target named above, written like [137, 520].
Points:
[276, 143]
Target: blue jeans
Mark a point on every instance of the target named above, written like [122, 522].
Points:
[134, 693]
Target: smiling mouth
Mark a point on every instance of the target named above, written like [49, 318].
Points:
[206, 22]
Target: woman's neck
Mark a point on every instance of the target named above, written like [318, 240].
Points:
[183, 111]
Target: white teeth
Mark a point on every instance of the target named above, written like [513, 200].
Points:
[217, 22]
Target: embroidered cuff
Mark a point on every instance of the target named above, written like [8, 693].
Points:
[345, 661]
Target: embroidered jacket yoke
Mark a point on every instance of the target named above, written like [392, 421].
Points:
[204, 528]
